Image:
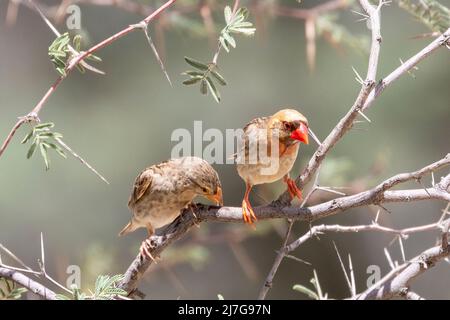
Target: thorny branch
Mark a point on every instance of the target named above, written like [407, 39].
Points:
[379, 194]
[20, 275]
[28, 283]
[396, 283]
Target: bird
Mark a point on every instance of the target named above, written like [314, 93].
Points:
[269, 148]
[161, 191]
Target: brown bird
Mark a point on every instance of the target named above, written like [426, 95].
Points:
[270, 147]
[163, 190]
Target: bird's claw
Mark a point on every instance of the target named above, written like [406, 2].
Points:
[293, 190]
[193, 207]
[247, 213]
[144, 250]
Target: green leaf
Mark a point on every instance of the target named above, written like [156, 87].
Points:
[244, 31]
[306, 291]
[193, 73]
[58, 62]
[77, 42]
[196, 64]
[243, 24]
[243, 11]
[58, 51]
[219, 77]
[106, 287]
[58, 149]
[431, 13]
[215, 93]
[63, 41]
[80, 68]
[44, 125]
[94, 58]
[46, 134]
[17, 293]
[44, 154]
[62, 297]
[191, 81]
[54, 53]
[229, 39]
[31, 150]
[203, 87]
[228, 14]
[224, 44]
[27, 137]
[61, 71]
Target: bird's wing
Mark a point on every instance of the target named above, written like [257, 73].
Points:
[255, 133]
[141, 185]
[259, 123]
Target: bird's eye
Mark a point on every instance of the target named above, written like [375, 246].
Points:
[205, 190]
[287, 126]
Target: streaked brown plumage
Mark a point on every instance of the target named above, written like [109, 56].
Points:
[269, 162]
[162, 191]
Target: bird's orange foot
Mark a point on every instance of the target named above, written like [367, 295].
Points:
[247, 212]
[294, 191]
[144, 250]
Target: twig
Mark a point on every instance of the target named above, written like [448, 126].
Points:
[219, 44]
[349, 283]
[283, 251]
[84, 162]
[407, 66]
[57, 33]
[74, 61]
[279, 258]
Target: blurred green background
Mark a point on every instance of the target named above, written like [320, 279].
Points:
[122, 122]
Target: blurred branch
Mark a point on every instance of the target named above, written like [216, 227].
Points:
[375, 196]
[33, 115]
[305, 14]
[310, 16]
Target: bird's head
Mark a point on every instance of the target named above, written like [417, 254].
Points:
[291, 125]
[205, 180]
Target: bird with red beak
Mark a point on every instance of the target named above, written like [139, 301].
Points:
[270, 148]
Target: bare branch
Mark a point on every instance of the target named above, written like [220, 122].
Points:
[395, 286]
[28, 283]
[407, 66]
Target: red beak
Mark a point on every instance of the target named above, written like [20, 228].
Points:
[301, 134]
